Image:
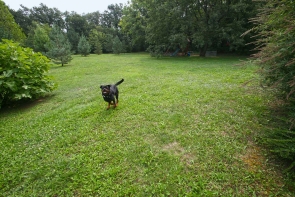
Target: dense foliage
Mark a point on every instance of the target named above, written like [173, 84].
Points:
[59, 48]
[117, 46]
[190, 25]
[22, 73]
[276, 58]
[9, 29]
[96, 27]
[157, 26]
[83, 46]
[41, 38]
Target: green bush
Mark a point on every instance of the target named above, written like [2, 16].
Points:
[22, 73]
[276, 58]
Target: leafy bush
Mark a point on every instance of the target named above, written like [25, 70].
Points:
[22, 73]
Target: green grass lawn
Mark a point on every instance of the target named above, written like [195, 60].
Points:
[183, 127]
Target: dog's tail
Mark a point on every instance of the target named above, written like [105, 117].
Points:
[119, 82]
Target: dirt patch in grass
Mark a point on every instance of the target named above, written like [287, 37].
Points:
[257, 164]
[176, 149]
[253, 158]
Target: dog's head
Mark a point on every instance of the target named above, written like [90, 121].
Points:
[105, 89]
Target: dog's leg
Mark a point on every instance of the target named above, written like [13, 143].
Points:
[115, 104]
[117, 98]
[109, 105]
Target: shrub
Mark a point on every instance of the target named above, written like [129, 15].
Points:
[276, 58]
[22, 73]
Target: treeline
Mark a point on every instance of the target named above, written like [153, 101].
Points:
[157, 26]
[186, 25]
[97, 29]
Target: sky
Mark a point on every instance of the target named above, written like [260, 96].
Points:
[81, 6]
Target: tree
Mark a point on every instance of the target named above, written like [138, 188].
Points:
[133, 25]
[83, 46]
[73, 38]
[41, 38]
[41, 15]
[98, 48]
[22, 18]
[59, 48]
[112, 16]
[108, 43]
[95, 40]
[76, 26]
[202, 24]
[93, 19]
[46, 15]
[117, 45]
[8, 27]
[77, 23]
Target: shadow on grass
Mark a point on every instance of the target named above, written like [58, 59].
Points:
[278, 136]
[59, 66]
[24, 105]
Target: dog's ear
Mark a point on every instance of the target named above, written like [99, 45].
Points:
[101, 87]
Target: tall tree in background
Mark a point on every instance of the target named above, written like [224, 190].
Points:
[77, 23]
[73, 38]
[76, 26]
[46, 15]
[95, 40]
[112, 16]
[108, 43]
[22, 18]
[205, 24]
[9, 29]
[41, 38]
[93, 19]
[59, 48]
[133, 25]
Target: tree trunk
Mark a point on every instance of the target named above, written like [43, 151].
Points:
[203, 50]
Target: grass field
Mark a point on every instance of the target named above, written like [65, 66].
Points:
[183, 127]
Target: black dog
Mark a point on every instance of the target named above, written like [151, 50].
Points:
[110, 93]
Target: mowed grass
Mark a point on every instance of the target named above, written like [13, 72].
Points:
[183, 127]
